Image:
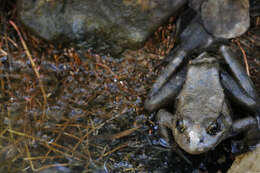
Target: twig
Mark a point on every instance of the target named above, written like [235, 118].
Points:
[124, 133]
[97, 127]
[44, 167]
[58, 137]
[33, 65]
[12, 41]
[244, 56]
[9, 123]
[4, 53]
[107, 68]
[49, 146]
[42, 157]
[115, 149]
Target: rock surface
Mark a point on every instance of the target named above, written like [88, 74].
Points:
[248, 162]
[112, 25]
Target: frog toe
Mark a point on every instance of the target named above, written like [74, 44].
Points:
[258, 120]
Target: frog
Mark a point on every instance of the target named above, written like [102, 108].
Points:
[200, 91]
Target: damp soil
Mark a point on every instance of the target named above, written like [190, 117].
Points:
[93, 120]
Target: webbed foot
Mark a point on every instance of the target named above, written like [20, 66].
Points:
[258, 120]
[250, 127]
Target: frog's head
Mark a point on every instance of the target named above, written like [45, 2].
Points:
[196, 137]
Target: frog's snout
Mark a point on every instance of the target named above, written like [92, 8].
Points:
[195, 140]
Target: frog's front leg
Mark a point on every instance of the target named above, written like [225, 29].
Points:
[238, 71]
[165, 120]
[237, 94]
[194, 37]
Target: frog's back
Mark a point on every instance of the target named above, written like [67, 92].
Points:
[202, 94]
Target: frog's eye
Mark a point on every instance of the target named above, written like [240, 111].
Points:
[214, 128]
[180, 125]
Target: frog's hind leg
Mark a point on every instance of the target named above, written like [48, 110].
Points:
[239, 86]
[236, 93]
[193, 38]
[160, 95]
[168, 72]
[240, 96]
[238, 71]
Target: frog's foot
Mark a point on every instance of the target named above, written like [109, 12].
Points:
[251, 139]
[243, 145]
[165, 120]
[250, 127]
[237, 146]
[258, 119]
[244, 124]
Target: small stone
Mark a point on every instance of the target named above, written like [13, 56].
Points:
[226, 18]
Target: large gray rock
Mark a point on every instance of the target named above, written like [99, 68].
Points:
[110, 24]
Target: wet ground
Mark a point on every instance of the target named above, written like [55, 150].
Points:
[93, 118]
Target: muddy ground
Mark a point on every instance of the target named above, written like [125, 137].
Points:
[69, 109]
